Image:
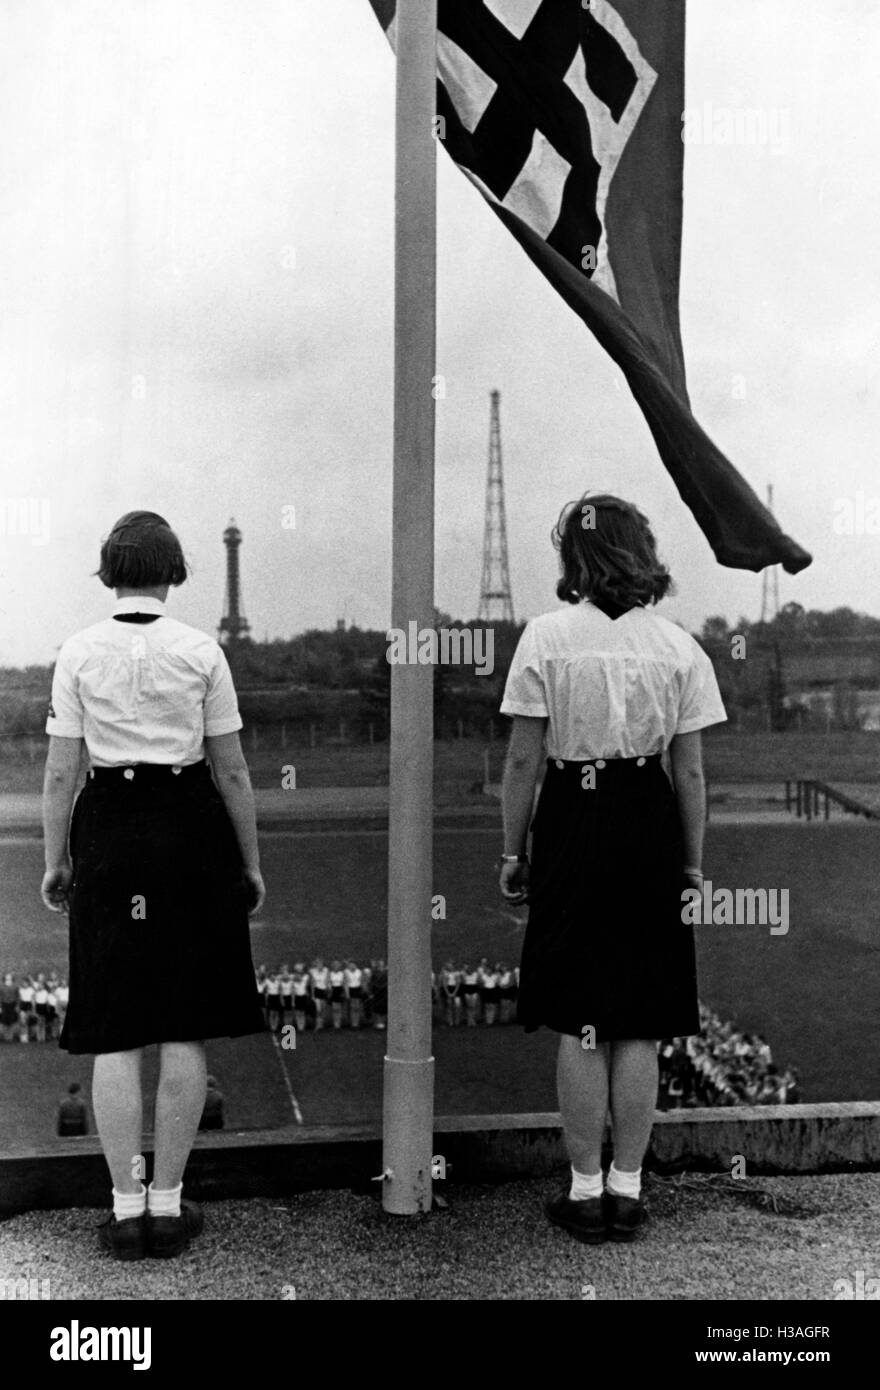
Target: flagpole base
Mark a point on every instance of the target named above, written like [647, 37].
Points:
[408, 1114]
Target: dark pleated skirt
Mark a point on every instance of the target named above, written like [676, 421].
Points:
[159, 933]
[605, 946]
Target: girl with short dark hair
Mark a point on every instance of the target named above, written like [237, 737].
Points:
[161, 872]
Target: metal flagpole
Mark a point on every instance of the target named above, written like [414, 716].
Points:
[408, 1118]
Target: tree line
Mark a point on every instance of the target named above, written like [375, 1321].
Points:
[324, 677]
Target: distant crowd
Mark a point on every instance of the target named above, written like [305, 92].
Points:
[721, 1066]
[345, 994]
[32, 1007]
[717, 1066]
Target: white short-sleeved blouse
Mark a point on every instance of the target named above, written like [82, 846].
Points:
[611, 688]
[142, 692]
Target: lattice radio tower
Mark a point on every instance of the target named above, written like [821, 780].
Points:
[769, 580]
[233, 625]
[495, 599]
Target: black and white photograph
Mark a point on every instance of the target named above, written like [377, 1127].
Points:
[440, 666]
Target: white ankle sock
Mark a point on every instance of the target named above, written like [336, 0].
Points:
[164, 1203]
[127, 1205]
[624, 1184]
[585, 1185]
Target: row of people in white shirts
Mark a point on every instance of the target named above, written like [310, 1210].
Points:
[320, 981]
[40, 994]
[479, 980]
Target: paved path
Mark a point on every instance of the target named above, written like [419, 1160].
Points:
[753, 803]
[20, 812]
[22, 809]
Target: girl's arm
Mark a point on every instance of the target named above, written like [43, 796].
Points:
[234, 785]
[59, 785]
[686, 757]
[525, 753]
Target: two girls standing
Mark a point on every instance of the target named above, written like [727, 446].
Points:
[601, 691]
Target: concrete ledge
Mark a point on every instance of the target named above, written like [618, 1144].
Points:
[308, 810]
[773, 1139]
[777, 1139]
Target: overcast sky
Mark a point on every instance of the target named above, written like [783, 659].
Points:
[196, 279]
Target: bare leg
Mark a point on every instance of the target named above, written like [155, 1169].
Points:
[633, 1100]
[582, 1082]
[116, 1100]
[180, 1100]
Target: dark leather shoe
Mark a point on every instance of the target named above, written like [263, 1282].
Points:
[584, 1220]
[623, 1216]
[168, 1236]
[124, 1239]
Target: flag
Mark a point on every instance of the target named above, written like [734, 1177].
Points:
[567, 115]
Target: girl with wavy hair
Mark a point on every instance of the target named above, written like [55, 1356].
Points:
[601, 692]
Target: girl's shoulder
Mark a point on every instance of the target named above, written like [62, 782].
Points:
[663, 637]
[557, 620]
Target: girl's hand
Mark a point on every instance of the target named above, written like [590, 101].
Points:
[514, 882]
[256, 890]
[55, 888]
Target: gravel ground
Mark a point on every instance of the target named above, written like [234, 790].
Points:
[705, 1241]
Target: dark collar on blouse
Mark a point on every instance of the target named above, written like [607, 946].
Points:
[611, 609]
[135, 617]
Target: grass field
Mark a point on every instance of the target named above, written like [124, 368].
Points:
[813, 992]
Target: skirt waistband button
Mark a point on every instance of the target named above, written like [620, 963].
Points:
[600, 762]
[128, 774]
[640, 762]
